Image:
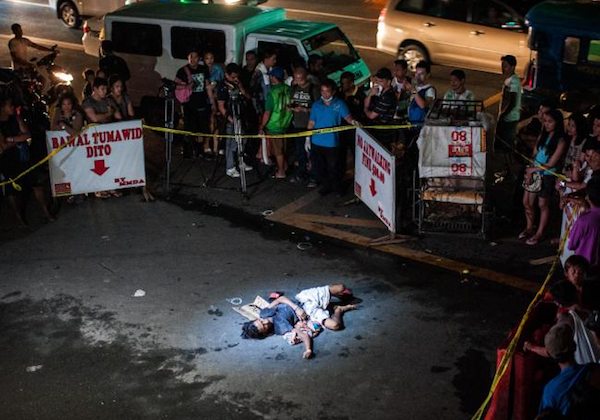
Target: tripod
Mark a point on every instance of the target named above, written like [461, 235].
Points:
[237, 132]
[169, 114]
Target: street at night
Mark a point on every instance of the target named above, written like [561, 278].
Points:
[123, 304]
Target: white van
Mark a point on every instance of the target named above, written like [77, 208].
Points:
[155, 37]
[70, 12]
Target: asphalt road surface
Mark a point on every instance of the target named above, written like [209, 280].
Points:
[77, 344]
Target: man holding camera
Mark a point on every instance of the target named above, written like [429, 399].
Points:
[230, 96]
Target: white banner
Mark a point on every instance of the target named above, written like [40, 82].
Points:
[375, 178]
[451, 151]
[103, 157]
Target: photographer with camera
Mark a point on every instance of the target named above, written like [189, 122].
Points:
[231, 95]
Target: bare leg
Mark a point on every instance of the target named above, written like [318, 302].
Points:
[40, 196]
[528, 203]
[335, 321]
[544, 217]
[280, 165]
[17, 208]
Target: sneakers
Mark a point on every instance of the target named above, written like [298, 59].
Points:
[311, 184]
[233, 173]
[248, 168]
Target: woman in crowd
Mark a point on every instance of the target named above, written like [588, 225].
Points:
[15, 158]
[547, 154]
[67, 115]
[119, 99]
[576, 131]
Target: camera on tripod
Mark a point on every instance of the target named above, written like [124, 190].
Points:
[168, 87]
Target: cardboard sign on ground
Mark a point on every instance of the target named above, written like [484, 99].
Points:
[252, 310]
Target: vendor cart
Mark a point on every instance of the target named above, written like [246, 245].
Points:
[451, 190]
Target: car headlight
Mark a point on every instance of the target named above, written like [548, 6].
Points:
[62, 76]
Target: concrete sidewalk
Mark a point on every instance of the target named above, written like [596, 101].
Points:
[502, 259]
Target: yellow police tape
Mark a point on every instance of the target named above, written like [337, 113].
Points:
[13, 181]
[17, 187]
[534, 163]
[278, 136]
[512, 346]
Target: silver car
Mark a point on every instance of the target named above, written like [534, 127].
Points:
[71, 12]
[471, 34]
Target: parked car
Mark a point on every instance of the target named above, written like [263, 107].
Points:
[71, 12]
[155, 37]
[471, 34]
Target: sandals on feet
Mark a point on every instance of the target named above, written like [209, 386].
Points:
[525, 234]
[534, 240]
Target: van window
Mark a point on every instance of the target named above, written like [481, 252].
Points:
[286, 53]
[496, 14]
[185, 39]
[447, 9]
[571, 50]
[594, 52]
[335, 49]
[137, 38]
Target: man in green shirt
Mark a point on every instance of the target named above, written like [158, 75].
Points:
[277, 117]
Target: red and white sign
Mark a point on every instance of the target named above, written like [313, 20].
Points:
[102, 157]
[451, 151]
[375, 178]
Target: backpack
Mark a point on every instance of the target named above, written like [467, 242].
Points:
[184, 92]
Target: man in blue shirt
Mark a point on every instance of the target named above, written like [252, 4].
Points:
[328, 111]
[560, 346]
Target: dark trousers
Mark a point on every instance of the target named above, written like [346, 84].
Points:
[327, 162]
[506, 134]
[300, 155]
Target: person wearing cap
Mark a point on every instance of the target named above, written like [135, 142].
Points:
[561, 347]
[380, 103]
[277, 117]
[324, 148]
[510, 106]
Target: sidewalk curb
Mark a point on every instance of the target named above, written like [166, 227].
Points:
[256, 221]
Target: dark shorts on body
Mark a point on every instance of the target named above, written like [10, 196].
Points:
[548, 184]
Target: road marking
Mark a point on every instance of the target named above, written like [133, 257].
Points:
[28, 3]
[492, 100]
[288, 215]
[44, 41]
[310, 12]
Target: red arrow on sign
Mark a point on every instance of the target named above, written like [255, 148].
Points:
[372, 188]
[99, 167]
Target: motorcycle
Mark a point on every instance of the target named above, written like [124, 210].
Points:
[50, 87]
[59, 78]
